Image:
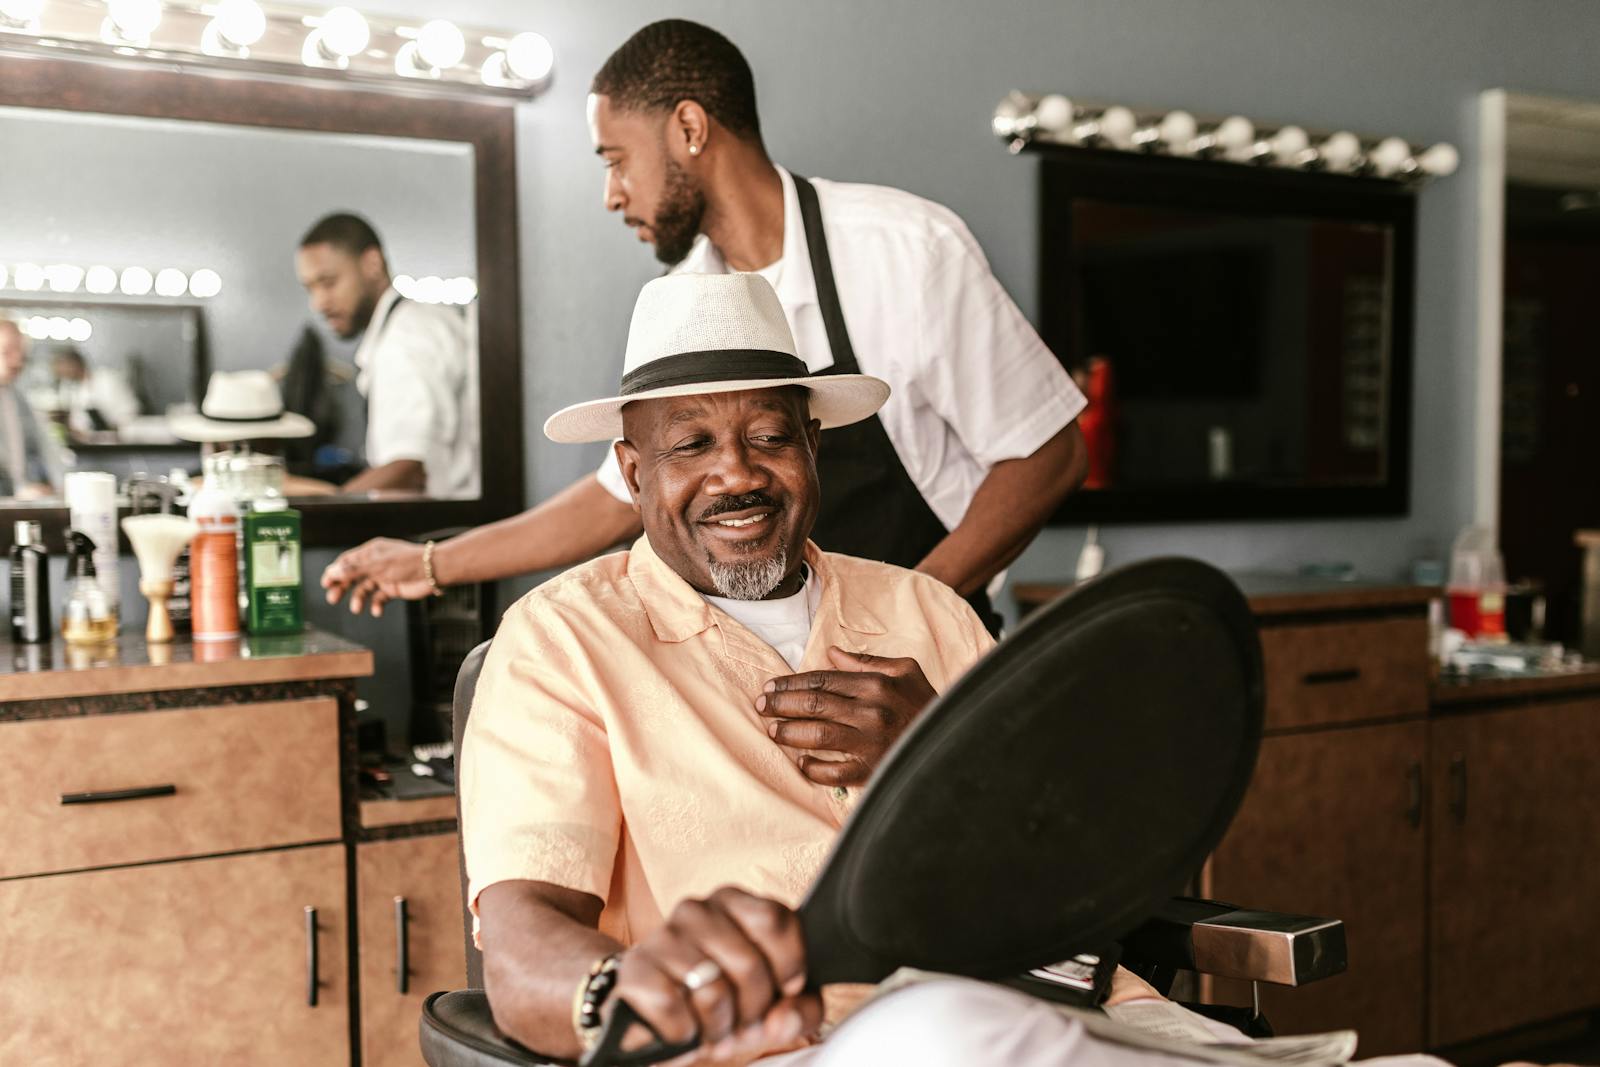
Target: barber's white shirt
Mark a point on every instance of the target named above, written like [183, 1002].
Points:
[971, 384]
[419, 375]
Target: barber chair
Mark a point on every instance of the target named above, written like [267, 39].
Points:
[1058, 657]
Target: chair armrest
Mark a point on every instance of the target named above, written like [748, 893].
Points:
[1231, 942]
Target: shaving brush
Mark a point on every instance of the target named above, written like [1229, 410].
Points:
[158, 541]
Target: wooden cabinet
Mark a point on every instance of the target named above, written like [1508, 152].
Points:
[199, 961]
[419, 875]
[1514, 924]
[1333, 825]
[1345, 670]
[175, 886]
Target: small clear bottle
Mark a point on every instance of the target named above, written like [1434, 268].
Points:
[88, 615]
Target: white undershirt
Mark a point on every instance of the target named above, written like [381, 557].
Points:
[785, 623]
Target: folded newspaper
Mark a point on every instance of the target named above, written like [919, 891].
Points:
[1173, 1030]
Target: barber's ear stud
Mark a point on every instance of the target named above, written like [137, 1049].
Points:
[694, 150]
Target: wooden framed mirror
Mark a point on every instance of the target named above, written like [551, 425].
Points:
[204, 117]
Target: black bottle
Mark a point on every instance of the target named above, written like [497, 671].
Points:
[30, 586]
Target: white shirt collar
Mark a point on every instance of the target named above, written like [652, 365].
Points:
[380, 313]
[797, 285]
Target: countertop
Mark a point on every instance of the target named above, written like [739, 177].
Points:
[1280, 594]
[130, 665]
[1454, 690]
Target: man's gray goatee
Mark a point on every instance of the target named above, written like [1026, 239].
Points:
[749, 579]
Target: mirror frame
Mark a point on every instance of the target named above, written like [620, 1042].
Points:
[143, 91]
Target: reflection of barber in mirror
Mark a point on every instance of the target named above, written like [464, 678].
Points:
[414, 365]
[30, 465]
[94, 398]
[976, 446]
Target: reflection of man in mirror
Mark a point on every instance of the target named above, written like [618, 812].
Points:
[414, 364]
[94, 398]
[29, 463]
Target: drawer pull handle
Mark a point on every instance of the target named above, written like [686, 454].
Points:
[402, 953]
[311, 956]
[1346, 674]
[1458, 787]
[1414, 794]
[107, 795]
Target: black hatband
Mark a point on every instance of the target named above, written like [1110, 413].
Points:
[725, 365]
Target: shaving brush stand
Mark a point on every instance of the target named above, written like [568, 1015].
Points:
[157, 541]
[158, 627]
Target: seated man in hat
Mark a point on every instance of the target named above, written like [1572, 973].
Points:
[648, 787]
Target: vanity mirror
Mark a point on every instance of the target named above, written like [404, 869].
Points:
[1243, 334]
[194, 190]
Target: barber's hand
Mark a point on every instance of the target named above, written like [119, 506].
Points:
[749, 965]
[377, 572]
[857, 711]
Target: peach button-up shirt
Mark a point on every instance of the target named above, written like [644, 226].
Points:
[614, 746]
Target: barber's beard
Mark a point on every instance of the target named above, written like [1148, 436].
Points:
[749, 579]
[678, 218]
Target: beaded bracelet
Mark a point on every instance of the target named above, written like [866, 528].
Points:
[427, 570]
[591, 997]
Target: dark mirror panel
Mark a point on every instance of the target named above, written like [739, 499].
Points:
[1242, 336]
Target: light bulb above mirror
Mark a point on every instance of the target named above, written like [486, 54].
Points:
[1021, 119]
[337, 42]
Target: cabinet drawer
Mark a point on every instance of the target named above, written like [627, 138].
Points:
[200, 962]
[1341, 672]
[114, 789]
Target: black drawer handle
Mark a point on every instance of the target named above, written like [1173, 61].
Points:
[1346, 674]
[108, 795]
[1414, 794]
[402, 953]
[311, 956]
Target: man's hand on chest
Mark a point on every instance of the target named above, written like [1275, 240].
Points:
[854, 713]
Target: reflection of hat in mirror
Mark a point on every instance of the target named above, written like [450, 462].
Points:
[241, 406]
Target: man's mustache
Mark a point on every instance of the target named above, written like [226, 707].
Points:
[724, 504]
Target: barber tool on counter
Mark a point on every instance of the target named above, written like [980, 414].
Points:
[30, 586]
[88, 614]
[167, 495]
[92, 506]
[158, 541]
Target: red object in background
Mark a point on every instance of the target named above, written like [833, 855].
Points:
[1098, 423]
[1479, 613]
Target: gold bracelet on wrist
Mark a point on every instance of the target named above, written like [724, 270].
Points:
[427, 570]
[591, 996]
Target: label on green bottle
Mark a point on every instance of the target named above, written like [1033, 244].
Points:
[272, 564]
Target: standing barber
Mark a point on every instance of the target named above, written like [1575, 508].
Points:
[976, 445]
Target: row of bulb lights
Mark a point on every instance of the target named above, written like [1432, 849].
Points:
[333, 39]
[100, 280]
[1054, 119]
[57, 328]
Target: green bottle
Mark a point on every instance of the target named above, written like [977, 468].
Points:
[272, 567]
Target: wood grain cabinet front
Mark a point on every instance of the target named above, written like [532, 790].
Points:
[1333, 825]
[1344, 671]
[235, 960]
[1515, 929]
[408, 895]
[127, 788]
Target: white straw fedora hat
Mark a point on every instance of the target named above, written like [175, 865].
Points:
[713, 333]
[241, 406]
